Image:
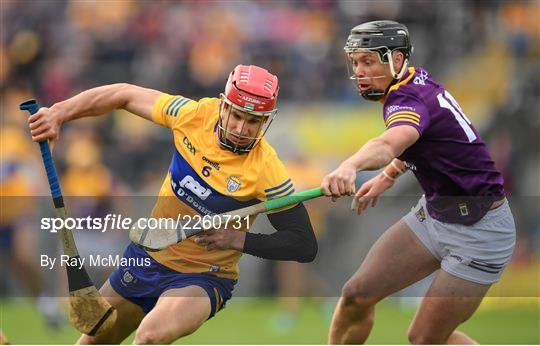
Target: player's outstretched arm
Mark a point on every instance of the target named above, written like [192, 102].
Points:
[380, 151]
[375, 154]
[46, 123]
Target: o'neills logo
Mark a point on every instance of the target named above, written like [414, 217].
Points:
[251, 99]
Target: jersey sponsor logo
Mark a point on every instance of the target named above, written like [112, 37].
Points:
[189, 146]
[185, 196]
[233, 183]
[421, 78]
[192, 185]
[211, 163]
[395, 108]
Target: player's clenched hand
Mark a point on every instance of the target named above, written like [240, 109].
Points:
[340, 182]
[369, 193]
[222, 239]
[45, 124]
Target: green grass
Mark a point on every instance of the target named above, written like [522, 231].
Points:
[249, 321]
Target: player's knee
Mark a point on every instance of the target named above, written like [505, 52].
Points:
[357, 298]
[93, 340]
[424, 337]
[150, 337]
[86, 340]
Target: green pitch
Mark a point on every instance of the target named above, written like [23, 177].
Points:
[250, 321]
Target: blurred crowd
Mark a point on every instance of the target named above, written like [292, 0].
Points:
[59, 47]
[51, 50]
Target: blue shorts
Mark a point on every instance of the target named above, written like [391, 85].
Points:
[143, 285]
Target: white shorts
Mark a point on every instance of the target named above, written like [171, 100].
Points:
[477, 253]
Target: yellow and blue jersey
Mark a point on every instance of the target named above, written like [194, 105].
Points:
[16, 184]
[205, 179]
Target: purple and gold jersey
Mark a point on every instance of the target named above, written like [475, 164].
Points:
[450, 160]
[204, 179]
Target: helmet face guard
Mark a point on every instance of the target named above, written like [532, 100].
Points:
[252, 91]
[381, 37]
[223, 125]
[371, 94]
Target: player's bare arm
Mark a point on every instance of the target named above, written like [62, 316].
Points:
[46, 123]
[375, 154]
[380, 151]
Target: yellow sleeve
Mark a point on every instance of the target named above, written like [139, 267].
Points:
[173, 110]
[276, 180]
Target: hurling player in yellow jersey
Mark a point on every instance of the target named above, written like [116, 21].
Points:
[221, 162]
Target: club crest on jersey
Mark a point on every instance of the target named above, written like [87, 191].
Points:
[233, 183]
[421, 78]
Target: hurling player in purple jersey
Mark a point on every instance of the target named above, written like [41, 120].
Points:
[462, 227]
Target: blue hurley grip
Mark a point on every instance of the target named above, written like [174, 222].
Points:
[51, 171]
[32, 107]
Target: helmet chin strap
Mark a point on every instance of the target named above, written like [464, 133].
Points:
[401, 72]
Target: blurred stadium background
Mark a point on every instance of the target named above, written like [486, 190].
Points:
[486, 53]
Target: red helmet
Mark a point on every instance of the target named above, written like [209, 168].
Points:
[253, 90]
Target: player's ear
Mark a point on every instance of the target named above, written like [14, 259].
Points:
[398, 58]
[224, 105]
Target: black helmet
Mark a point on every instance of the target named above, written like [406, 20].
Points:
[380, 36]
[383, 37]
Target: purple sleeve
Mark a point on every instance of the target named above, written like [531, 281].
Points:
[402, 109]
